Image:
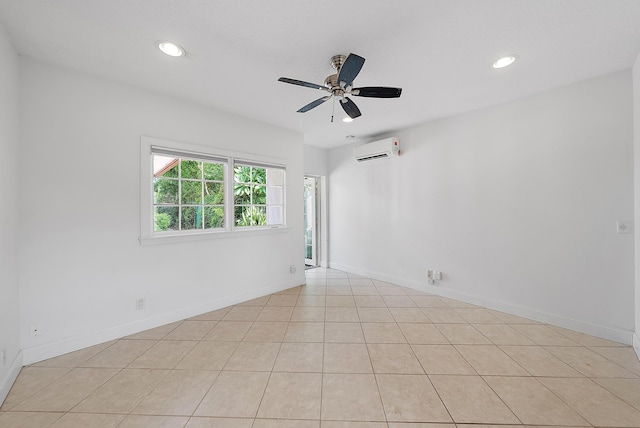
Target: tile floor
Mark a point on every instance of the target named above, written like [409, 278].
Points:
[340, 352]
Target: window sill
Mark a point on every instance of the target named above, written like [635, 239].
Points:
[188, 237]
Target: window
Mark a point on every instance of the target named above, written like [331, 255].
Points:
[194, 191]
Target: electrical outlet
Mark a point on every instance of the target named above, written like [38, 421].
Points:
[139, 304]
[430, 276]
[623, 227]
[4, 357]
[292, 269]
[35, 331]
[437, 275]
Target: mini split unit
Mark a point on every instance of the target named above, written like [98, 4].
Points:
[382, 149]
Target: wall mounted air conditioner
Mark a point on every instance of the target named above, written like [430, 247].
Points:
[389, 147]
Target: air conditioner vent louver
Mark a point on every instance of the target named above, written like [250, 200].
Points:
[381, 149]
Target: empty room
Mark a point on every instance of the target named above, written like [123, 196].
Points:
[339, 214]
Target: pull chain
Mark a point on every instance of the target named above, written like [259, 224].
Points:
[333, 108]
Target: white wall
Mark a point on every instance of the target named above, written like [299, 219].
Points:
[636, 188]
[9, 119]
[315, 160]
[516, 204]
[81, 266]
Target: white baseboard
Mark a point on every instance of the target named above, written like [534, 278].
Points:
[605, 332]
[56, 348]
[636, 344]
[12, 373]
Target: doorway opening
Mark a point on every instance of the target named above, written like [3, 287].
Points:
[311, 221]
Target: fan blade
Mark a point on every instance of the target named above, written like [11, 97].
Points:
[314, 104]
[350, 108]
[301, 83]
[350, 69]
[377, 92]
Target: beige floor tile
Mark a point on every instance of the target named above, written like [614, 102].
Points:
[428, 302]
[338, 281]
[339, 290]
[216, 315]
[429, 425]
[375, 315]
[283, 300]
[512, 319]
[234, 394]
[351, 397]
[228, 331]
[208, 356]
[312, 300]
[365, 291]
[588, 362]
[389, 289]
[201, 422]
[343, 332]
[28, 419]
[539, 362]
[260, 301]
[67, 391]
[266, 331]
[399, 301]
[462, 334]
[308, 313]
[253, 356]
[179, 393]
[544, 335]
[394, 359]
[120, 354]
[367, 301]
[410, 398]
[442, 359]
[123, 392]
[532, 403]
[299, 357]
[423, 334]
[304, 332]
[74, 359]
[165, 354]
[490, 360]
[345, 424]
[243, 313]
[477, 316]
[191, 330]
[470, 400]
[284, 423]
[443, 316]
[502, 334]
[341, 314]
[314, 289]
[383, 332]
[154, 333]
[452, 303]
[275, 313]
[346, 358]
[585, 339]
[340, 301]
[140, 421]
[83, 420]
[594, 403]
[623, 356]
[292, 396]
[29, 381]
[292, 290]
[626, 389]
[415, 315]
[361, 282]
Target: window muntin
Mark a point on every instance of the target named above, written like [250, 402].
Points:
[188, 193]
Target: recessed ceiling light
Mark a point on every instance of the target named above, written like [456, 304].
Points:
[347, 119]
[505, 61]
[171, 49]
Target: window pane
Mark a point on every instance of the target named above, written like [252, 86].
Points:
[242, 174]
[165, 191]
[213, 217]
[191, 192]
[213, 193]
[213, 171]
[275, 177]
[191, 218]
[165, 218]
[275, 195]
[190, 169]
[259, 216]
[242, 215]
[242, 194]
[274, 215]
[260, 195]
[165, 166]
[258, 175]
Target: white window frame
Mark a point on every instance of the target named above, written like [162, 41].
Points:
[147, 234]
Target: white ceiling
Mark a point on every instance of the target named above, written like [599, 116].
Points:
[439, 51]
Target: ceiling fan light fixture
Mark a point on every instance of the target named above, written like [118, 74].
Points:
[347, 119]
[505, 61]
[171, 49]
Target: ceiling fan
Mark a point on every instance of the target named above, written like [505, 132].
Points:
[340, 84]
